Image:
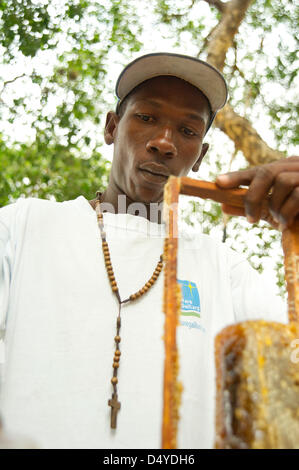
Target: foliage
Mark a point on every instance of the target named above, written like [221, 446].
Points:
[64, 158]
[56, 172]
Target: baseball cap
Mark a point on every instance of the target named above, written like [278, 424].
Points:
[198, 73]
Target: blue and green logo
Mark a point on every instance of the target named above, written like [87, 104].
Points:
[190, 306]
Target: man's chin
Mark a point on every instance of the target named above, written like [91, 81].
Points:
[148, 195]
[148, 191]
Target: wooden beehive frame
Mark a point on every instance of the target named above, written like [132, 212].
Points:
[234, 197]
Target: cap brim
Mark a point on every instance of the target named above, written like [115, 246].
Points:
[198, 73]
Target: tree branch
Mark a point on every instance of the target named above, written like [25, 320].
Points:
[205, 42]
[11, 81]
[223, 36]
[237, 128]
[245, 137]
[178, 16]
[218, 4]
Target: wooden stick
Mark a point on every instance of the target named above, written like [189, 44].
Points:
[172, 389]
[290, 244]
[208, 190]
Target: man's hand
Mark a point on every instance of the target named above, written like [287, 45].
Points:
[279, 180]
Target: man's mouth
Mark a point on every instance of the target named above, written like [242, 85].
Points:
[155, 169]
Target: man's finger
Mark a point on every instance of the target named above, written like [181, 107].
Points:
[258, 191]
[235, 178]
[285, 184]
[233, 210]
[290, 209]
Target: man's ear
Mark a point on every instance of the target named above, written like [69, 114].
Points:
[112, 120]
[204, 150]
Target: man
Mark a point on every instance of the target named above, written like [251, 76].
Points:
[58, 312]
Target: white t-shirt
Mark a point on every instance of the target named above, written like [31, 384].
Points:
[58, 321]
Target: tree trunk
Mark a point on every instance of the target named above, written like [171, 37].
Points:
[245, 137]
[222, 38]
[238, 128]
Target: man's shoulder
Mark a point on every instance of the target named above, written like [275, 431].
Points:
[46, 204]
[25, 210]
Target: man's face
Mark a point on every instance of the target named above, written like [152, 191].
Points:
[160, 134]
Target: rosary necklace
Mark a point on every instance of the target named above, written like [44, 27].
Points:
[113, 402]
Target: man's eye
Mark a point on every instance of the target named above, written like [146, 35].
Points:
[144, 117]
[187, 131]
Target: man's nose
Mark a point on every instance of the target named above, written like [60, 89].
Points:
[162, 143]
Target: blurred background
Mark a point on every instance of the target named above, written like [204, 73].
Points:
[59, 63]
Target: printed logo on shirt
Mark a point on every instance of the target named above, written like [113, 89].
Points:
[190, 305]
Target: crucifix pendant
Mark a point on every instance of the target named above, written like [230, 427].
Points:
[115, 406]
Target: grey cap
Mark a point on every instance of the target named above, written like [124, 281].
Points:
[194, 71]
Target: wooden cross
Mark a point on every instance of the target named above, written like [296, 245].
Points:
[115, 406]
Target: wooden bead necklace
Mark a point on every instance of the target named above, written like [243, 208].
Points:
[113, 402]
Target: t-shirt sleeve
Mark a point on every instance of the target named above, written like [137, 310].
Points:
[254, 295]
[6, 261]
